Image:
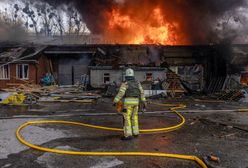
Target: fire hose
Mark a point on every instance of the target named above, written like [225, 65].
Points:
[83, 153]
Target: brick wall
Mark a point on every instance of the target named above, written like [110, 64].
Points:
[36, 71]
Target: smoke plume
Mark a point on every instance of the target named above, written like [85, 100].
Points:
[12, 32]
[164, 21]
[191, 21]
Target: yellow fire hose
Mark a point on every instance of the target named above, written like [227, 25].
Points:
[82, 153]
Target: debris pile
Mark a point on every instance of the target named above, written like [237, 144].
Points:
[30, 93]
[11, 55]
[231, 95]
[227, 89]
[67, 94]
[173, 85]
[111, 90]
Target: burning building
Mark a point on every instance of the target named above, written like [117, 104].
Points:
[204, 67]
[60, 57]
[191, 38]
[163, 21]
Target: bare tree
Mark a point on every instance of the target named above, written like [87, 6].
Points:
[47, 14]
[30, 13]
[59, 24]
[42, 18]
[78, 23]
[15, 15]
[74, 21]
[70, 15]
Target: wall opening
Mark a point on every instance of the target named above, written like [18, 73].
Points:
[106, 78]
[149, 76]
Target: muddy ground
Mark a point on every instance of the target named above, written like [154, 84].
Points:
[223, 133]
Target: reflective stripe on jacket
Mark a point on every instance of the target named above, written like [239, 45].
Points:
[131, 101]
[122, 90]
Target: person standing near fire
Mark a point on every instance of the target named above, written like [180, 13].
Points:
[131, 94]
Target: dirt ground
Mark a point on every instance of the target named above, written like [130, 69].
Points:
[222, 133]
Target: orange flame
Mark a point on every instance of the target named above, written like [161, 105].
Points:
[154, 30]
[244, 78]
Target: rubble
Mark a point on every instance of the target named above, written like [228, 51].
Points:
[210, 163]
[231, 95]
[111, 90]
[173, 85]
[31, 93]
[227, 89]
[156, 94]
[214, 158]
[12, 54]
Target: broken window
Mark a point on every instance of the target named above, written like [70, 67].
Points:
[149, 76]
[4, 72]
[22, 71]
[174, 69]
[106, 78]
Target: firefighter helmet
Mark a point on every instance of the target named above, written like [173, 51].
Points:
[129, 72]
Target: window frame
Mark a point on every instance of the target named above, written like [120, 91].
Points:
[23, 65]
[8, 78]
[106, 76]
[149, 74]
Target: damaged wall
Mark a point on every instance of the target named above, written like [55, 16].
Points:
[98, 75]
[36, 71]
[238, 64]
[72, 67]
[116, 56]
[216, 61]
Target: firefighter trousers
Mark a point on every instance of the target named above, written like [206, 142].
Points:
[130, 115]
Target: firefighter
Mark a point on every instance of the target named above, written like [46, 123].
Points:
[131, 94]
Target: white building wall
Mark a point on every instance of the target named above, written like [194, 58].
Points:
[141, 75]
[96, 76]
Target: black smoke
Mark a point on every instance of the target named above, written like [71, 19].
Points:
[200, 21]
